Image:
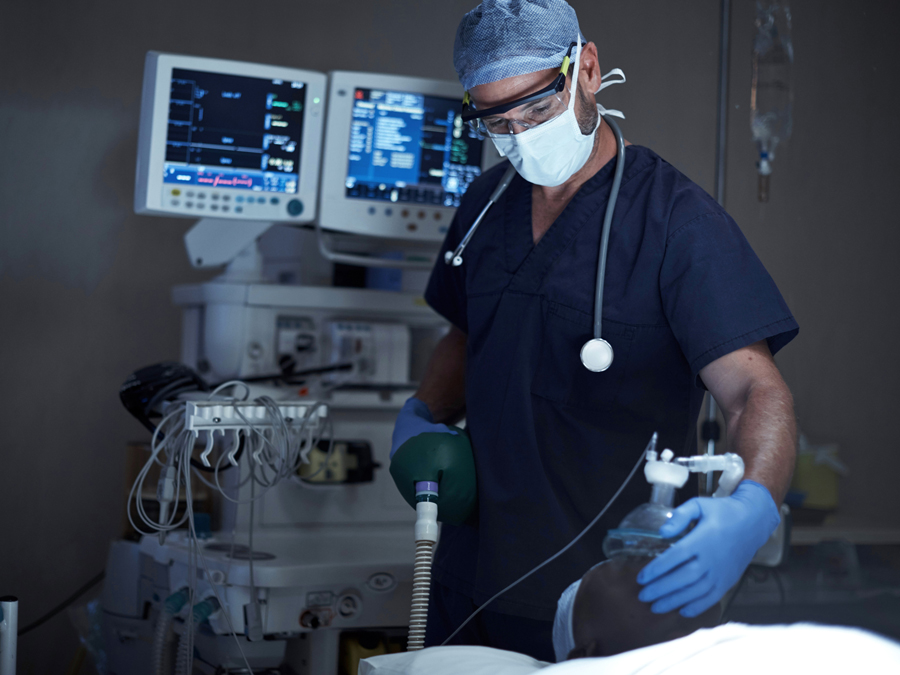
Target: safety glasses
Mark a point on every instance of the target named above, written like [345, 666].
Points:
[533, 109]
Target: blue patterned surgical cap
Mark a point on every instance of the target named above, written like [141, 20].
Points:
[505, 38]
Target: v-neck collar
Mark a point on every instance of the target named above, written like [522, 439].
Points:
[526, 261]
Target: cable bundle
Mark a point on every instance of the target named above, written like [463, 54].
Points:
[266, 450]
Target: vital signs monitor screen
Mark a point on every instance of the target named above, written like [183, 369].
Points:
[233, 131]
[407, 147]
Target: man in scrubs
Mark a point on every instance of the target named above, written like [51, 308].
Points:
[687, 306]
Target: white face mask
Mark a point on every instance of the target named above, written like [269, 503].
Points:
[551, 153]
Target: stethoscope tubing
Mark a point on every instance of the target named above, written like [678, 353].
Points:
[455, 256]
[607, 226]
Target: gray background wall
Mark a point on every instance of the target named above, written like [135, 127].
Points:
[84, 283]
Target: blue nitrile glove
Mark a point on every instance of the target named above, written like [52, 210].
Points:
[414, 419]
[698, 569]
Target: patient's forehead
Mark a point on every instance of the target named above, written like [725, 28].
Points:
[608, 615]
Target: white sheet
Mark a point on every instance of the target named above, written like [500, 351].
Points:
[452, 661]
[732, 649]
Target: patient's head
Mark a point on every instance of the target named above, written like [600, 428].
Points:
[608, 618]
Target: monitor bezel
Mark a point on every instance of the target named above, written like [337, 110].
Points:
[158, 67]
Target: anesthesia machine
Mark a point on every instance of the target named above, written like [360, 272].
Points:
[282, 405]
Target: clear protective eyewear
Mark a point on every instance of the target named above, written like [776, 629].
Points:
[528, 111]
[528, 116]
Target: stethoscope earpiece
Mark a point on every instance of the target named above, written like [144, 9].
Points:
[597, 355]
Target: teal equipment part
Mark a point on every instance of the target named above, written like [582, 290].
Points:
[445, 459]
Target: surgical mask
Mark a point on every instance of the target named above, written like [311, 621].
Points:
[551, 153]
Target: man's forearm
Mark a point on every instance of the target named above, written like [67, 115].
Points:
[764, 434]
[443, 388]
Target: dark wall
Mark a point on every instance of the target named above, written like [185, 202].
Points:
[84, 283]
[829, 234]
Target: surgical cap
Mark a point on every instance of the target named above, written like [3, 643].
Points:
[506, 38]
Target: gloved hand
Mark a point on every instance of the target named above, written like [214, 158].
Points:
[434, 452]
[414, 419]
[698, 569]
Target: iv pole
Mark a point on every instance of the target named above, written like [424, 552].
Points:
[710, 431]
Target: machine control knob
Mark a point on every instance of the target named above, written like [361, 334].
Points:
[295, 207]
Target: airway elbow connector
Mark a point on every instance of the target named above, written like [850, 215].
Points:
[730, 464]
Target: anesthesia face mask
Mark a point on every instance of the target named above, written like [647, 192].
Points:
[636, 540]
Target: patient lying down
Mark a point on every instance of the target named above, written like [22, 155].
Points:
[607, 618]
[601, 628]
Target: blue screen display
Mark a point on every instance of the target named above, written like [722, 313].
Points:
[407, 147]
[232, 131]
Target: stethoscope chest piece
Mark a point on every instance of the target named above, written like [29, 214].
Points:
[597, 355]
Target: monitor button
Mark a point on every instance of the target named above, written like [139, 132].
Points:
[389, 212]
[274, 200]
[189, 194]
[190, 205]
[201, 195]
[260, 200]
[175, 202]
[239, 199]
[214, 196]
[176, 192]
[225, 207]
[214, 207]
[437, 215]
[295, 207]
[226, 198]
[412, 227]
[371, 210]
[238, 209]
[421, 214]
[200, 205]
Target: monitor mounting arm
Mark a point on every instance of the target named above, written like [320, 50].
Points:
[212, 242]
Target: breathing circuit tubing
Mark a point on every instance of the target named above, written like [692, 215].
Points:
[426, 539]
[597, 353]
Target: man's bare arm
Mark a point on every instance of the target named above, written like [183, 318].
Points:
[443, 389]
[759, 414]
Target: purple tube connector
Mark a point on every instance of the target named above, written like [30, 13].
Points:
[426, 491]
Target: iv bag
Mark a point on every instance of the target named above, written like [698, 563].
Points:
[770, 87]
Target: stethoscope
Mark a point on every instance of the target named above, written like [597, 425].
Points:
[597, 353]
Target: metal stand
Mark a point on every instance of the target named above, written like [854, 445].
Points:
[9, 630]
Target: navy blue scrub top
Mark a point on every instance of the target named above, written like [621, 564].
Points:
[552, 440]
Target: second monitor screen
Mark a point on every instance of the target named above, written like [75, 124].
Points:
[410, 148]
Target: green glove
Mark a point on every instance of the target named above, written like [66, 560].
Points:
[445, 459]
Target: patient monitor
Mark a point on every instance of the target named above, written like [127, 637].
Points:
[229, 139]
[398, 156]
